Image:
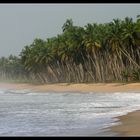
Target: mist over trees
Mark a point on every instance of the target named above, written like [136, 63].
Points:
[93, 53]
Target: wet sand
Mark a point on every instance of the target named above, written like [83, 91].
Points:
[130, 125]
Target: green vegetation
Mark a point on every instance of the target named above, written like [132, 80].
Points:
[11, 69]
[94, 53]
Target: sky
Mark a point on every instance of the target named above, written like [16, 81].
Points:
[20, 24]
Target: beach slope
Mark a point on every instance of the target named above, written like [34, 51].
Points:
[130, 125]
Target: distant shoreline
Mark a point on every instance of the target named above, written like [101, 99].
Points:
[82, 87]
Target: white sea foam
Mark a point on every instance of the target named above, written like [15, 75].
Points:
[25, 91]
[1, 91]
[62, 113]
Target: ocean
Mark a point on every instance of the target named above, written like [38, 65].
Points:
[28, 113]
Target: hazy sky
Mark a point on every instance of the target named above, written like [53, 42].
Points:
[20, 24]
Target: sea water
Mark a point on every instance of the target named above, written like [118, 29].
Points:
[27, 113]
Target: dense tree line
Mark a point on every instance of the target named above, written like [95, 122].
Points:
[11, 68]
[93, 53]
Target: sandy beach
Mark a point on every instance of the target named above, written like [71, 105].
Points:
[130, 123]
[65, 87]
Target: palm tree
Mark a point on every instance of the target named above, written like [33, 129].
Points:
[97, 52]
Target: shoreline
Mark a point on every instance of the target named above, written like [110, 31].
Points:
[129, 126]
[82, 87]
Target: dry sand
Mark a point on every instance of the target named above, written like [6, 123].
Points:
[130, 123]
[64, 87]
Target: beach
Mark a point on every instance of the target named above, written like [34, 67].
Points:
[66, 87]
[130, 123]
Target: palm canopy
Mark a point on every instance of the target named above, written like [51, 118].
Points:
[95, 52]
